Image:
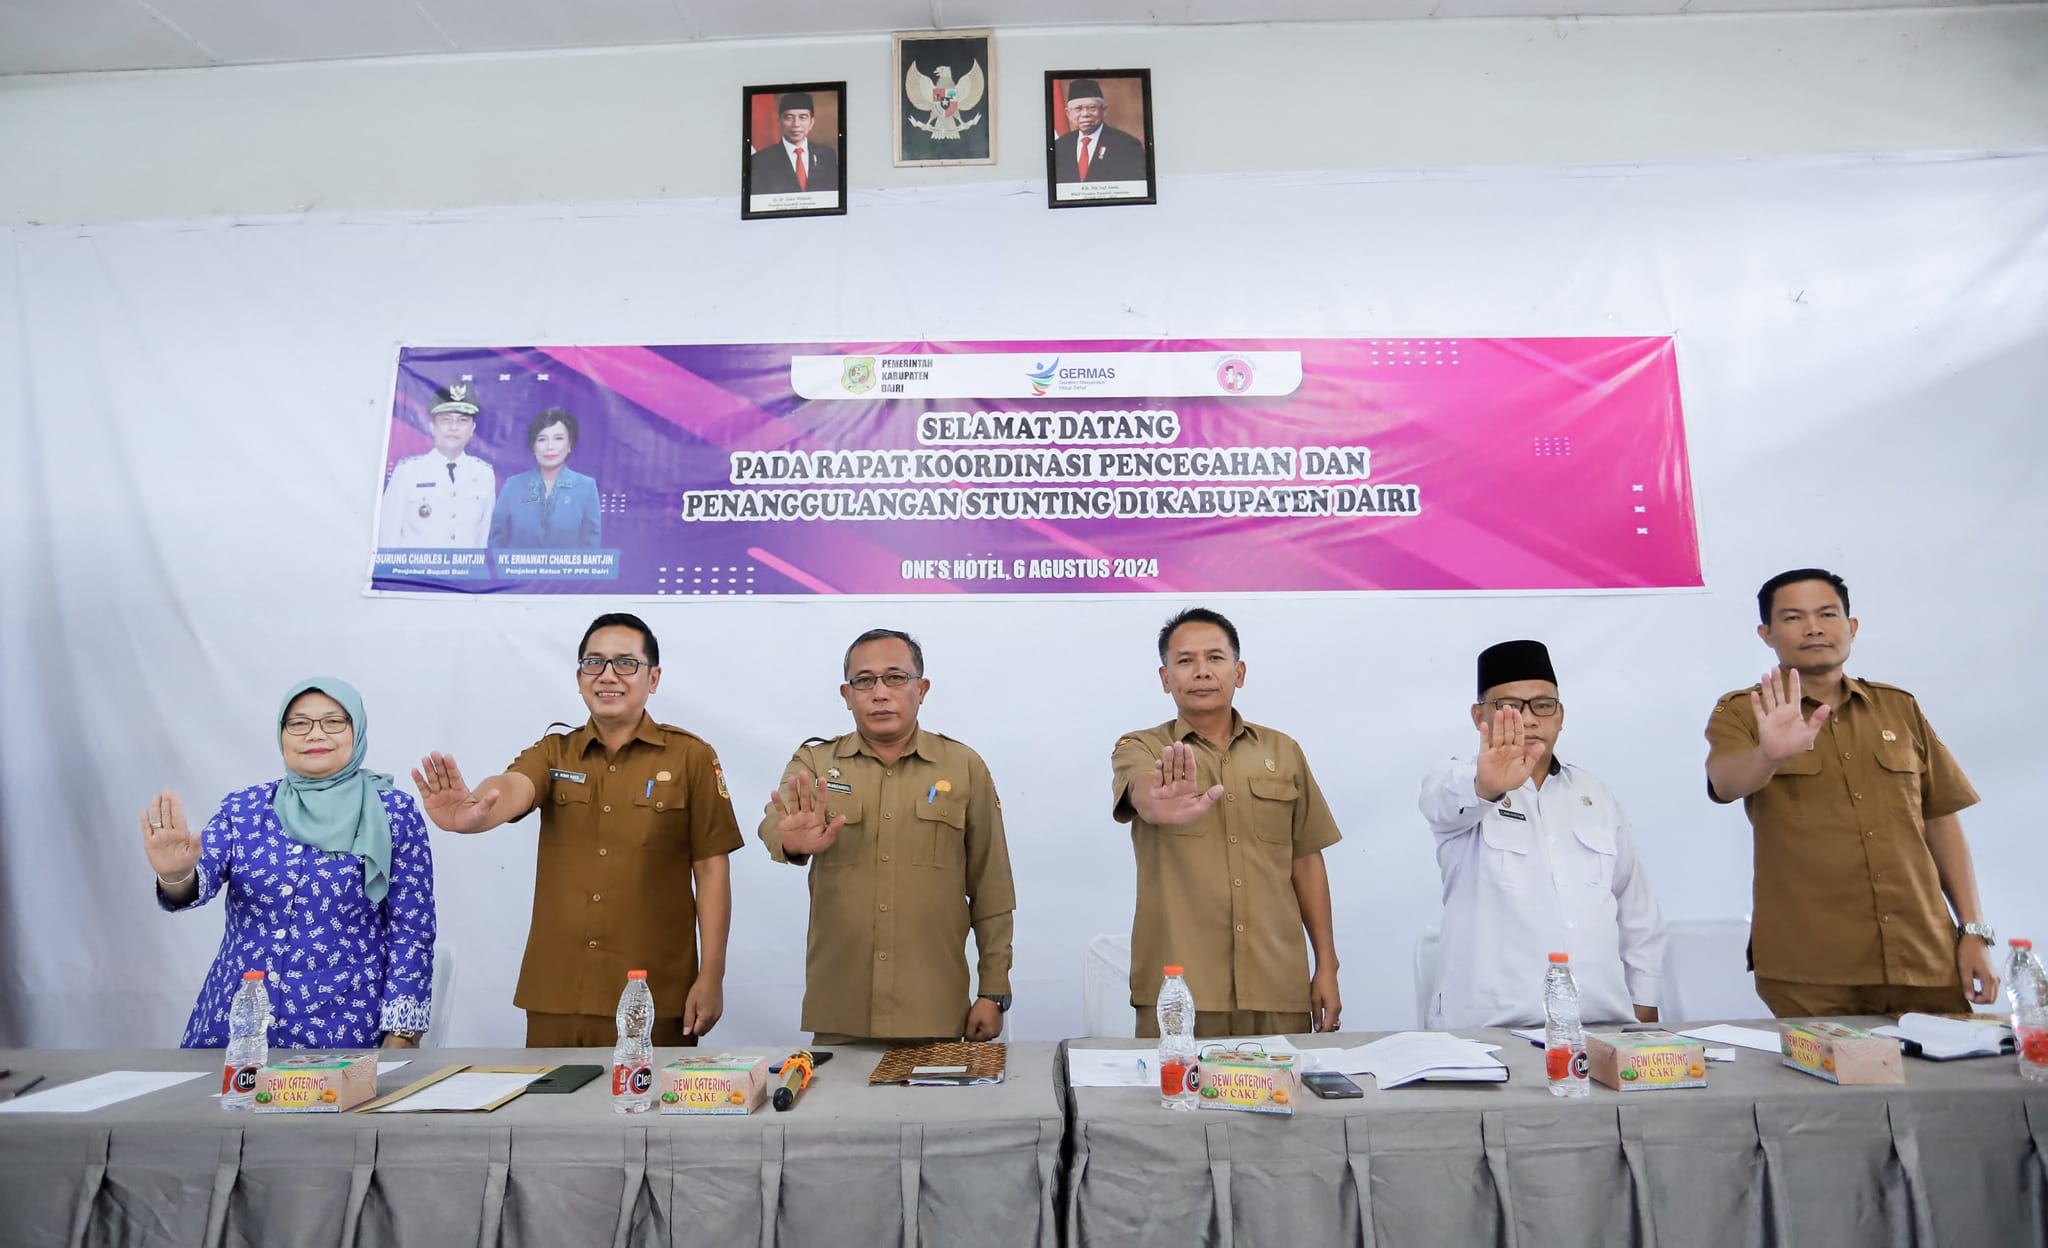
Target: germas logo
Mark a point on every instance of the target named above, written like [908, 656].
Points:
[1041, 378]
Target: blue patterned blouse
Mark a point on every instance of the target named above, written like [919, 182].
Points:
[341, 969]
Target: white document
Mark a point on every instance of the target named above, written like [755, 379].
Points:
[1941, 1038]
[1112, 1068]
[385, 1068]
[1720, 1055]
[1744, 1037]
[97, 1092]
[1432, 1055]
[465, 1090]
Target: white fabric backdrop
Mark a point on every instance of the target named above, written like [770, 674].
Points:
[194, 414]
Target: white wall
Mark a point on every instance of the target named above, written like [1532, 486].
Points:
[656, 123]
[192, 409]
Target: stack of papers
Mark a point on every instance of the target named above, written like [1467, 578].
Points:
[1746, 1037]
[1409, 1056]
[98, 1092]
[1943, 1038]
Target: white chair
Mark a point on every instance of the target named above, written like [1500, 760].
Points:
[444, 977]
[1106, 986]
[1706, 976]
[1428, 964]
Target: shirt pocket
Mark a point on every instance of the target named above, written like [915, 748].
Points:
[1508, 843]
[1900, 767]
[1595, 868]
[1804, 763]
[660, 813]
[940, 837]
[847, 847]
[1273, 800]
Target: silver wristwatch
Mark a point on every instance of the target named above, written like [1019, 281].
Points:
[1982, 931]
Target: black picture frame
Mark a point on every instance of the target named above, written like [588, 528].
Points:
[1117, 152]
[769, 180]
[943, 89]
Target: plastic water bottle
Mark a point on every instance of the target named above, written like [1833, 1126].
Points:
[1564, 1041]
[248, 1042]
[2026, 986]
[1176, 1041]
[633, 1059]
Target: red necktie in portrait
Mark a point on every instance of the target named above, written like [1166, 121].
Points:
[1082, 152]
[803, 177]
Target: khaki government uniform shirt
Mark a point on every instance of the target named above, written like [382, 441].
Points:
[1846, 891]
[920, 858]
[1216, 896]
[612, 889]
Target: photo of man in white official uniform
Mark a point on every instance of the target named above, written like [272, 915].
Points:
[1537, 858]
[441, 499]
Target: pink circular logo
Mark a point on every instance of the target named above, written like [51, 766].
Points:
[1234, 375]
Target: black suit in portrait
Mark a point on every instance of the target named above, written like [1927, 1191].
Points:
[775, 174]
[1118, 157]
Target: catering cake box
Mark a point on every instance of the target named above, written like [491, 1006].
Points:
[1644, 1061]
[714, 1085]
[1840, 1054]
[316, 1083]
[1264, 1083]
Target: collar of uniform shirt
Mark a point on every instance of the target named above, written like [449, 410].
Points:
[919, 744]
[586, 736]
[1239, 727]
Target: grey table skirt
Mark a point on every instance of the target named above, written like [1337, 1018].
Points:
[850, 1165]
[1765, 1155]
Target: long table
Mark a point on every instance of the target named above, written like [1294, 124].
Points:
[1958, 1154]
[851, 1164]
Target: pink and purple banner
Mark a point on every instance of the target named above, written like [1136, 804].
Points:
[1182, 466]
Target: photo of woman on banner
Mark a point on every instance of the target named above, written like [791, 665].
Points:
[550, 506]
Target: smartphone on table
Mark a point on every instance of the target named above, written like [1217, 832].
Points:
[1331, 1086]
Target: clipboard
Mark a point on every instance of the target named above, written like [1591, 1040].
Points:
[443, 1073]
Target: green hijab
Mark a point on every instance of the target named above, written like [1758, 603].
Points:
[342, 813]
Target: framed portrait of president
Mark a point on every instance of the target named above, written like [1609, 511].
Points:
[793, 150]
[1098, 138]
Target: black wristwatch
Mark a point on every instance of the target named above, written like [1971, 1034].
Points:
[1002, 1002]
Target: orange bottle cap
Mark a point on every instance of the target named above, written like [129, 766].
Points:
[247, 975]
[1173, 970]
[636, 974]
[1560, 957]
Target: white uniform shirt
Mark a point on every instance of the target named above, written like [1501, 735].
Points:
[427, 506]
[1561, 878]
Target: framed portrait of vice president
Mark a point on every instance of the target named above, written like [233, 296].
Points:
[1098, 138]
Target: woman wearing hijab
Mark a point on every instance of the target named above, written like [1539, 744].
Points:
[550, 506]
[329, 882]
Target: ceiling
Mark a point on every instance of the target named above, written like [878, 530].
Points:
[65, 36]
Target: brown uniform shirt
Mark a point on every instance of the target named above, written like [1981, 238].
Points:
[921, 857]
[612, 891]
[1216, 896]
[1846, 891]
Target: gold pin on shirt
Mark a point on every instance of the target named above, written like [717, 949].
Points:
[1889, 735]
[662, 777]
[1585, 800]
[944, 786]
[1270, 766]
[832, 773]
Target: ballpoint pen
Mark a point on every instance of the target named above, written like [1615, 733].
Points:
[25, 1087]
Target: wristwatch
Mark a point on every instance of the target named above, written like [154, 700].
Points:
[1002, 1002]
[1982, 931]
[413, 1036]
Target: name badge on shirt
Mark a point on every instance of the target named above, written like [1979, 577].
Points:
[1516, 815]
[838, 786]
[574, 777]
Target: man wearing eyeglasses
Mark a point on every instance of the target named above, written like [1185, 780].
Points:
[1537, 857]
[633, 813]
[441, 499]
[903, 834]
